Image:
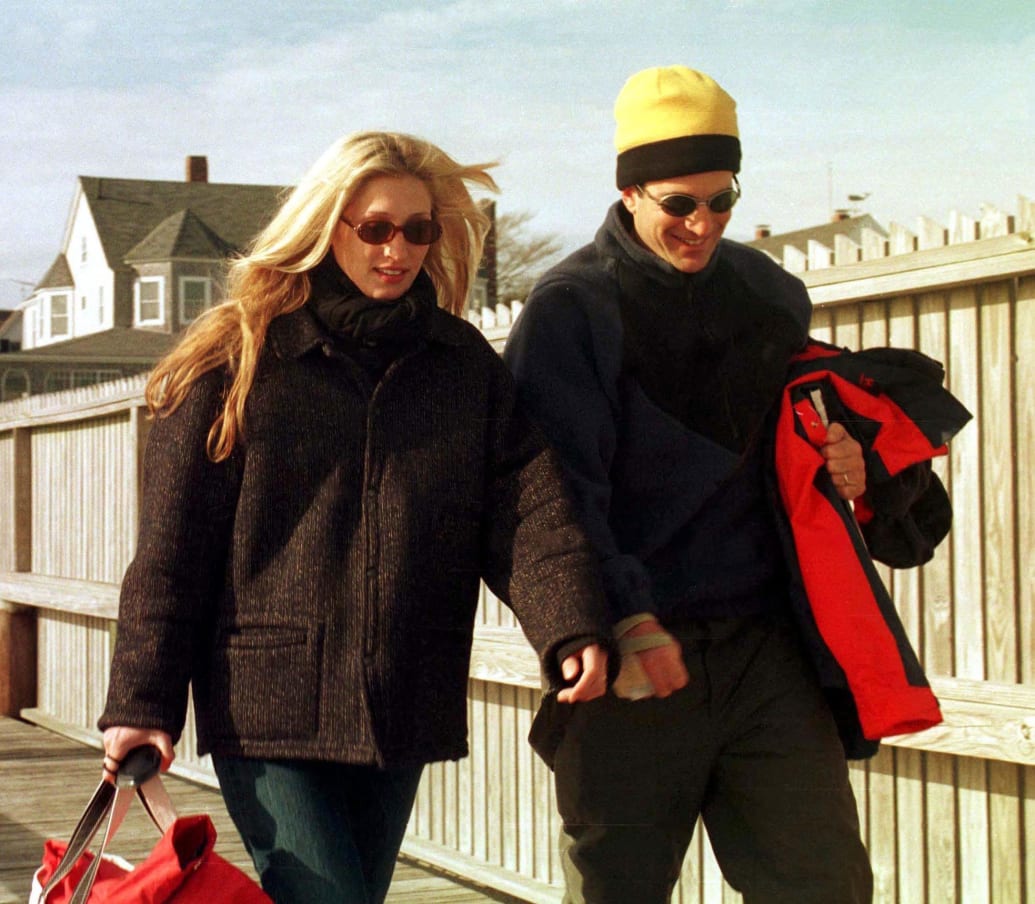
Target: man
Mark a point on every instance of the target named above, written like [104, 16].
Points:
[655, 358]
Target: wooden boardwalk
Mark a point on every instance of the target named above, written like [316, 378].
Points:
[46, 780]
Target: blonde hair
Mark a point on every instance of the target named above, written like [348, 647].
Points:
[272, 278]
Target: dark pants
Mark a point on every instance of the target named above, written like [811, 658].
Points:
[319, 832]
[749, 745]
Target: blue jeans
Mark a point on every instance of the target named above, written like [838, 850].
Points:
[319, 832]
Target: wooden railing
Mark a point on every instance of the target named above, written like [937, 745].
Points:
[948, 814]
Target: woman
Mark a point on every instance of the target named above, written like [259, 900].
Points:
[336, 461]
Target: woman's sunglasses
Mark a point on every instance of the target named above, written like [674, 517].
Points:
[381, 232]
[683, 206]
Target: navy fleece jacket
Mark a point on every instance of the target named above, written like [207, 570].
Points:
[655, 386]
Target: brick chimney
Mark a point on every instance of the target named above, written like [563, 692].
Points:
[840, 215]
[197, 169]
[763, 231]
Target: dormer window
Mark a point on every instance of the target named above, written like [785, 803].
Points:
[82, 247]
[59, 315]
[149, 294]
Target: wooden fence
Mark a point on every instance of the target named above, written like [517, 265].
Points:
[948, 814]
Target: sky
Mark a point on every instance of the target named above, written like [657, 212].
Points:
[925, 107]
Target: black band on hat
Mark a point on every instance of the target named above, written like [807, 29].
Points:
[677, 157]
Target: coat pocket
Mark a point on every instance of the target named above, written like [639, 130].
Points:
[266, 682]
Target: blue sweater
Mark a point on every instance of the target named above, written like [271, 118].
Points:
[657, 388]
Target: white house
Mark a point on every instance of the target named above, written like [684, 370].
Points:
[139, 260]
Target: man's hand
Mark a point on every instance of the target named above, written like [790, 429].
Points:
[663, 664]
[844, 462]
[589, 666]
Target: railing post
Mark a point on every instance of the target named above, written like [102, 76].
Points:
[17, 658]
[18, 628]
[141, 426]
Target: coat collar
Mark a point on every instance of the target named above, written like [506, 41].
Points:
[615, 239]
[298, 332]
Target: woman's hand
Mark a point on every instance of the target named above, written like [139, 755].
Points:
[120, 740]
[589, 666]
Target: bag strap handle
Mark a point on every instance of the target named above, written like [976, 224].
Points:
[139, 770]
[157, 804]
[138, 773]
[96, 810]
[115, 816]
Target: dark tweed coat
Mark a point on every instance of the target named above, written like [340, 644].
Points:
[319, 587]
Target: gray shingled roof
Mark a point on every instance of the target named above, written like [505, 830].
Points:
[127, 211]
[824, 234]
[59, 276]
[114, 346]
[183, 235]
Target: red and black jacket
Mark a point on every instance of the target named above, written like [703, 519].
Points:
[893, 402]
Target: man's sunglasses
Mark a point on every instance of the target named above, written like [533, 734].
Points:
[381, 232]
[683, 206]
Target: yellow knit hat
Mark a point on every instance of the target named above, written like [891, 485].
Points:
[673, 121]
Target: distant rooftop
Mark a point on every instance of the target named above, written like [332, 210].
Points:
[850, 238]
[145, 216]
[841, 224]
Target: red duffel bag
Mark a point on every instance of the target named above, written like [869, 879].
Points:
[182, 868]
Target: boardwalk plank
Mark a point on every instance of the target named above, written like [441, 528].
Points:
[46, 781]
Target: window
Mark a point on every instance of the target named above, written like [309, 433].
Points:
[150, 300]
[58, 380]
[73, 379]
[90, 377]
[195, 297]
[59, 314]
[82, 248]
[15, 384]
